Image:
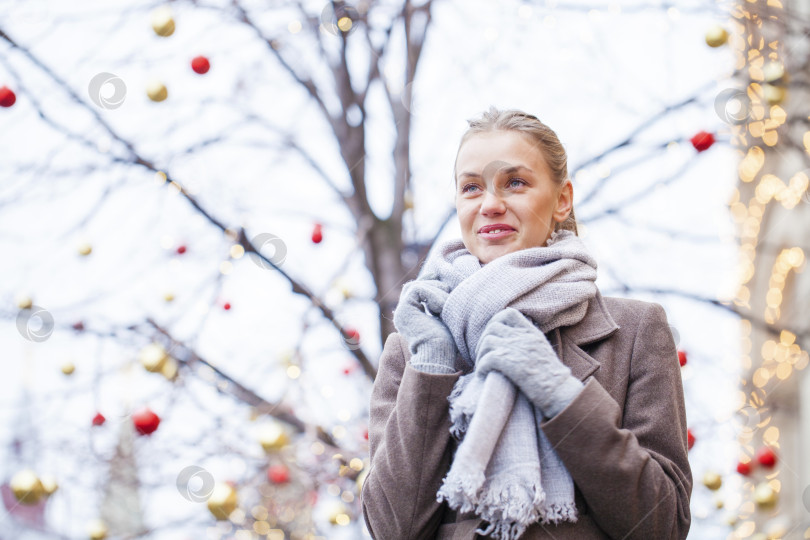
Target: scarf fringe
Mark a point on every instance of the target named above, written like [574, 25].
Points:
[461, 490]
[509, 499]
[509, 504]
[462, 404]
[557, 512]
[503, 530]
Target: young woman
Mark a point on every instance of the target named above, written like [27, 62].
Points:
[514, 400]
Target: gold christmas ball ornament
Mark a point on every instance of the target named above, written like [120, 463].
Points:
[341, 284]
[156, 91]
[765, 496]
[163, 21]
[773, 71]
[68, 368]
[716, 36]
[168, 296]
[273, 437]
[27, 487]
[153, 357]
[24, 301]
[85, 249]
[223, 500]
[49, 484]
[360, 479]
[97, 530]
[712, 480]
[338, 515]
[773, 94]
[777, 528]
[408, 200]
[169, 369]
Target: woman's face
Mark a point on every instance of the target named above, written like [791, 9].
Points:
[502, 179]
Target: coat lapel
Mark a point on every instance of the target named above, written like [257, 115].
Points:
[568, 340]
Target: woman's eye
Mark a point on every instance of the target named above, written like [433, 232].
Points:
[518, 180]
[465, 189]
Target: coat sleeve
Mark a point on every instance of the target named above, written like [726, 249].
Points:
[632, 469]
[410, 447]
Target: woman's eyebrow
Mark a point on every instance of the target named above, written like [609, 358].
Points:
[507, 170]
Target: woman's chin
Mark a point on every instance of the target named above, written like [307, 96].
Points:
[490, 253]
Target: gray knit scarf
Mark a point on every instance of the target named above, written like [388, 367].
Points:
[505, 469]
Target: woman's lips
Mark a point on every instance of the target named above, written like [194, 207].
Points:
[496, 235]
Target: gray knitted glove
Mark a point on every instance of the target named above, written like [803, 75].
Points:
[512, 345]
[432, 347]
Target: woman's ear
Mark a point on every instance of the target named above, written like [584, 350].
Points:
[565, 201]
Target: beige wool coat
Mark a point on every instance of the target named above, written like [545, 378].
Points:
[623, 438]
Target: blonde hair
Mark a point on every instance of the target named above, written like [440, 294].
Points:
[539, 133]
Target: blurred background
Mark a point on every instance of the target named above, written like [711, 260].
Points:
[208, 209]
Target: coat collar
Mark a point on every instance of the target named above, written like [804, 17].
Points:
[596, 325]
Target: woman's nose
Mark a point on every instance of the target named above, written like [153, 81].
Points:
[492, 202]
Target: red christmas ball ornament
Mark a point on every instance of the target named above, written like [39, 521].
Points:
[98, 419]
[278, 474]
[744, 468]
[226, 306]
[352, 333]
[766, 457]
[146, 422]
[365, 434]
[200, 64]
[703, 140]
[7, 96]
[78, 326]
[690, 439]
[317, 233]
[682, 358]
[181, 250]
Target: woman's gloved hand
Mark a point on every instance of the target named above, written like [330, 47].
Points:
[432, 347]
[513, 345]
